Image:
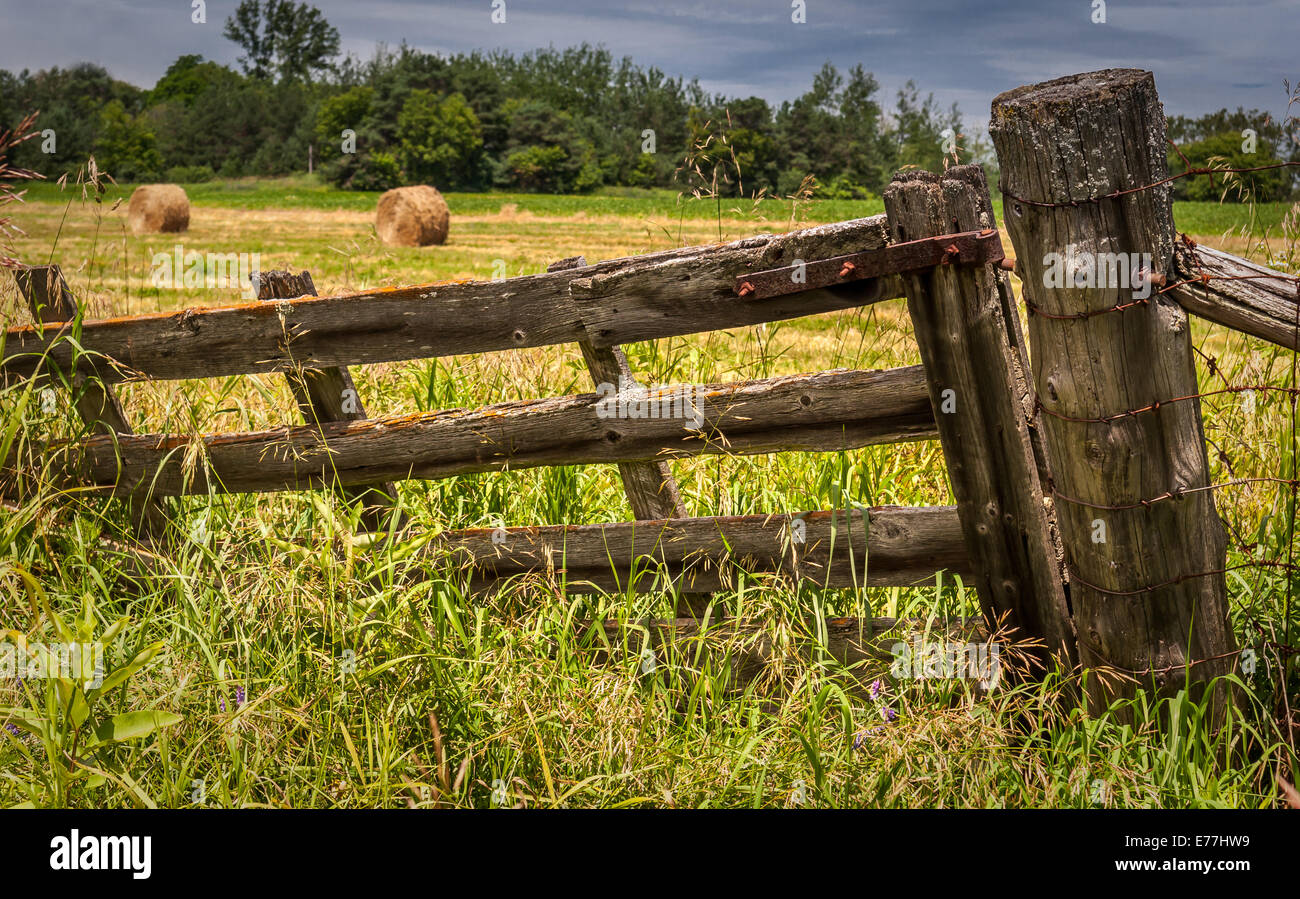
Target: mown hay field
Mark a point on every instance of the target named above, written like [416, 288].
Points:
[303, 670]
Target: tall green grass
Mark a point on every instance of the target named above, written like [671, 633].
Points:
[307, 670]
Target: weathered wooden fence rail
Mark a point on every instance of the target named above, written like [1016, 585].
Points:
[823, 412]
[619, 301]
[879, 547]
[1036, 457]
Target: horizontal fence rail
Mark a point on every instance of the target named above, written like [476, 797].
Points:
[1235, 292]
[665, 294]
[887, 546]
[822, 412]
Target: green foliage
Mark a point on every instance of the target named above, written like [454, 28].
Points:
[1220, 140]
[1227, 151]
[190, 174]
[185, 80]
[375, 171]
[69, 711]
[281, 37]
[844, 188]
[572, 119]
[347, 110]
[127, 146]
[440, 139]
[546, 150]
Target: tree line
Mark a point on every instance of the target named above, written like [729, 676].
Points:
[552, 120]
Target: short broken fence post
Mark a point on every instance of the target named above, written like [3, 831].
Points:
[329, 394]
[51, 301]
[650, 487]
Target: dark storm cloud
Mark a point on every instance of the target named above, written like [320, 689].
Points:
[1205, 54]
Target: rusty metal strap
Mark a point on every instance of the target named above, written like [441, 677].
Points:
[965, 248]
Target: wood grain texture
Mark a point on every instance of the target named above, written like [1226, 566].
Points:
[1262, 302]
[657, 296]
[650, 487]
[663, 294]
[822, 412]
[1065, 142]
[968, 331]
[329, 394]
[885, 546]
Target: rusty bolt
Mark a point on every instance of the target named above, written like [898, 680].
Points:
[745, 289]
[847, 269]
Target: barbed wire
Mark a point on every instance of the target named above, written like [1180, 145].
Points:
[1163, 284]
[1116, 194]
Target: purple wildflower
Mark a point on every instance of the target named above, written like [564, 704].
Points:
[239, 696]
[888, 714]
[876, 688]
[13, 729]
[861, 736]
[223, 704]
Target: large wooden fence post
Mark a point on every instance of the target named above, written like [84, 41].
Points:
[328, 394]
[1143, 541]
[966, 326]
[650, 487]
[52, 301]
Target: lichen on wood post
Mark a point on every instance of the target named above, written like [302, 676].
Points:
[1145, 545]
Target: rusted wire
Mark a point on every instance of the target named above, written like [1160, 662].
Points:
[1180, 493]
[1159, 404]
[1116, 194]
[1034, 309]
[1166, 285]
[1168, 669]
[1172, 582]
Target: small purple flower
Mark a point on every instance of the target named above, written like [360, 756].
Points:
[875, 689]
[13, 729]
[223, 704]
[861, 736]
[888, 714]
[239, 696]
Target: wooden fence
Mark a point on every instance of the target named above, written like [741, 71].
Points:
[1030, 480]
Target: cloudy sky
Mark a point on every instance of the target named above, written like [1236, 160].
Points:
[1205, 54]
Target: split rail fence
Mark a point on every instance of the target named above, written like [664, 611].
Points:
[1035, 454]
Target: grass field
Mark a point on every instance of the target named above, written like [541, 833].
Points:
[295, 669]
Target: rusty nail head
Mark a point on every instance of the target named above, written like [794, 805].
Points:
[746, 289]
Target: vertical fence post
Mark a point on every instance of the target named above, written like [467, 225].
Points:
[328, 394]
[650, 487]
[51, 300]
[1143, 541]
[966, 326]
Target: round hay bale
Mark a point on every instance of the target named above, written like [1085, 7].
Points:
[412, 217]
[158, 207]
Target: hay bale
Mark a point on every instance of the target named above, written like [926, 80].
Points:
[412, 217]
[158, 207]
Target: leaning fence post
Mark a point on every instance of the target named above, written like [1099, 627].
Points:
[1081, 160]
[965, 322]
[650, 487]
[51, 300]
[328, 394]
